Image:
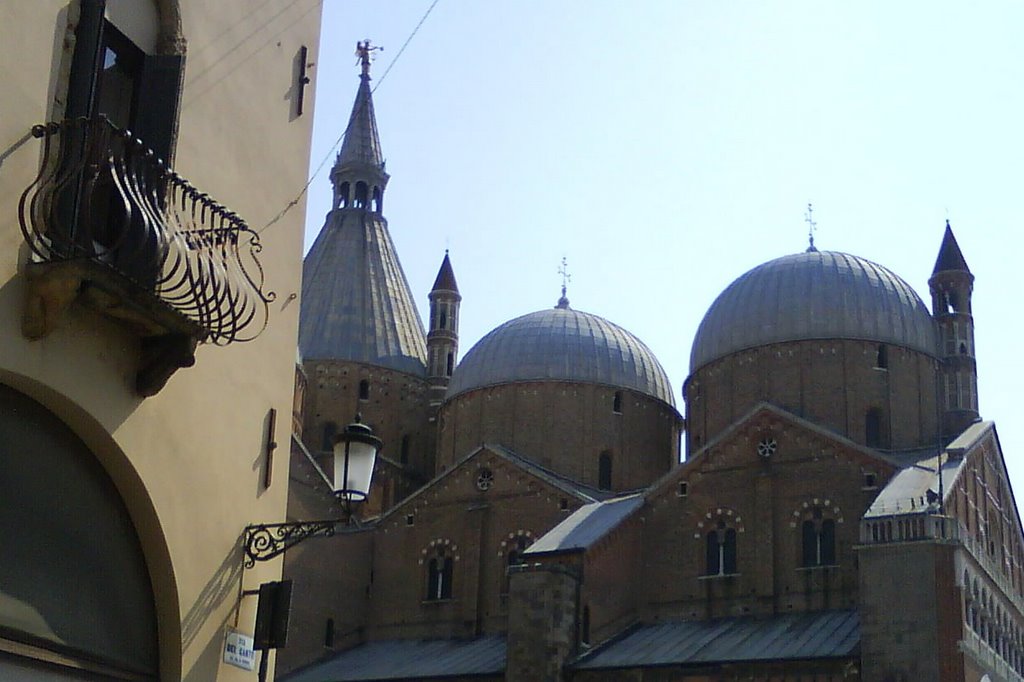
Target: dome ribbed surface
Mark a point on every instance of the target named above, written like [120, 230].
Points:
[813, 295]
[562, 344]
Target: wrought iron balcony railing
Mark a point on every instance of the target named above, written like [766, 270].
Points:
[108, 215]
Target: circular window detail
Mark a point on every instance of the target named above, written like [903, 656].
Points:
[484, 480]
[767, 447]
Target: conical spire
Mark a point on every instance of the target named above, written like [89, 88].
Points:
[950, 256]
[356, 301]
[445, 276]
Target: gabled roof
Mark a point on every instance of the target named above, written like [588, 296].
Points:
[792, 636]
[409, 659]
[950, 257]
[586, 525]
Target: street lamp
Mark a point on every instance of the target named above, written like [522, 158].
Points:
[355, 452]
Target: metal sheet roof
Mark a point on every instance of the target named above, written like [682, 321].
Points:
[409, 659]
[562, 344]
[586, 525]
[793, 636]
[813, 295]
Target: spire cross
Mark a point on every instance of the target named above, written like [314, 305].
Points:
[563, 270]
[811, 226]
[364, 51]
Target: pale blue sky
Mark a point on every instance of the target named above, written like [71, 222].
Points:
[665, 148]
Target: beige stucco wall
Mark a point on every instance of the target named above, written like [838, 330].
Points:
[188, 461]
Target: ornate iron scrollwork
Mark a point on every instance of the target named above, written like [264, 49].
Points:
[266, 541]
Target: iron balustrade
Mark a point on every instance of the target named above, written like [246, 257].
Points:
[103, 198]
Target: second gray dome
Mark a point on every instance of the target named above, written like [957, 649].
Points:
[562, 344]
[813, 295]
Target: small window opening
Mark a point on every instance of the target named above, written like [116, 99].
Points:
[563, 504]
[870, 481]
[684, 488]
[329, 633]
[360, 198]
[604, 471]
[882, 360]
[585, 626]
[963, 348]
[343, 195]
[410, 519]
[617, 402]
[450, 366]
[378, 200]
[953, 301]
[439, 577]
[404, 452]
[444, 320]
[364, 390]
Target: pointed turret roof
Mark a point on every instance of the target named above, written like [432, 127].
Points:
[361, 147]
[356, 301]
[950, 256]
[445, 276]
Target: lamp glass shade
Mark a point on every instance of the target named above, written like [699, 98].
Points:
[353, 468]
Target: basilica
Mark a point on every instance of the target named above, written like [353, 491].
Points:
[824, 503]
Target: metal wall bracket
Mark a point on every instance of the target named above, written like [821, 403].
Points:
[265, 541]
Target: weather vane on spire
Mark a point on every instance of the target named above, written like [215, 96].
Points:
[811, 227]
[563, 270]
[365, 52]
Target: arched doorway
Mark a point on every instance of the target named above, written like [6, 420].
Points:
[75, 593]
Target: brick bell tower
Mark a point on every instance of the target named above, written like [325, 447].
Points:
[443, 337]
[951, 286]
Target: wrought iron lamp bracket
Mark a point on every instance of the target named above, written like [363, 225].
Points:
[267, 540]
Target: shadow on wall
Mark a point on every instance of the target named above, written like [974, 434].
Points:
[224, 584]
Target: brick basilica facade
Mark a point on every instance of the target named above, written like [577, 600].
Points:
[832, 507]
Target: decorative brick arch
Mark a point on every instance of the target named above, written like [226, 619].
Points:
[711, 518]
[804, 509]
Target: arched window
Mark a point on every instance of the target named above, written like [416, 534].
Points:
[343, 195]
[882, 358]
[329, 633]
[444, 318]
[873, 428]
[450, 366]
[617, 402]
[585, 626]
[818, 540]
[604, 471]
[720, 549]
[404, 452]
[439, 576]
[360, 198]
[378, 200]
[330, 431]
[364, 390]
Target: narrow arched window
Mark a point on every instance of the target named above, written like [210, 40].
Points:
[882, 357]
[818, 535]
[450, 366]
[873, 428]
[404, 452]
[330, 430]
[364, 390]
[585, 626]
[444, 319]
[720, 550]
[617, 402]
[439, 576]
[343, 194]
[329, 633]
[360, 198]
[378, 200]
[604, 471]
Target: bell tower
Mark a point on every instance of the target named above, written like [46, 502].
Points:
[443, 337]
[951, 286]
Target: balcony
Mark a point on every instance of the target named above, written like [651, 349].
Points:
[107, 223]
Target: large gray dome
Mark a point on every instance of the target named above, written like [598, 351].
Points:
[813, 295]
[562, 344]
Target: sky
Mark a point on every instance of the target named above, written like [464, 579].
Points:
[665, 148]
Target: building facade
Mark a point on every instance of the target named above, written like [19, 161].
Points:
[147, 329]
[836, 510]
